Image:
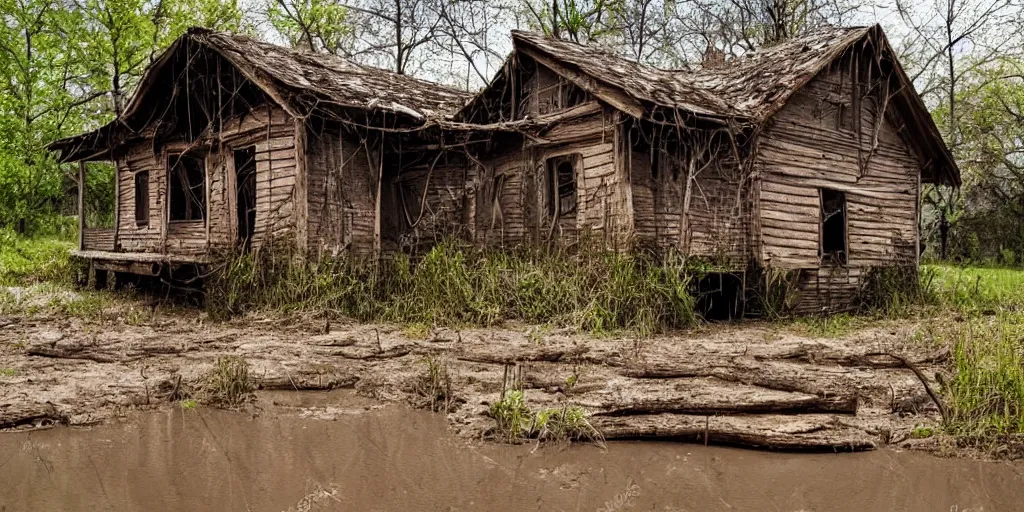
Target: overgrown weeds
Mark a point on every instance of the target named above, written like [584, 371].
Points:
[228, 384]
[986, 392]
[452, 284]
[435, 385]
[894, 291]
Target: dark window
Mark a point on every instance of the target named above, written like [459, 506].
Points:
[833, 226]
[561, 194]
[188, 187]
[142, 198]
[245, 193]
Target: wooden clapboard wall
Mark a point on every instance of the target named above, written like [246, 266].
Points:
[269, 130]
[805, 149]
[500, 207]
[717, 220]
[342, 181]
[602, 200]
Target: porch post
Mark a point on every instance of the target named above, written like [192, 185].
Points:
[81, 205]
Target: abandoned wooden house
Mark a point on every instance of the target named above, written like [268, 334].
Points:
[806, 157]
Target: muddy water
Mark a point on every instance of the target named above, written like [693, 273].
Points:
[392, 458]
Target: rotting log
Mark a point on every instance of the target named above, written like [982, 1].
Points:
[306, 381]
[764, 432]
[686, 404]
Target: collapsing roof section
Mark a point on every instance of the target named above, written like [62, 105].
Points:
[747, 90]
[302, 83]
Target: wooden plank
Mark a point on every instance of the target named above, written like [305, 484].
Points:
[81, 204]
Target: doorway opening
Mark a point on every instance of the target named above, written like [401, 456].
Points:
[245, 193]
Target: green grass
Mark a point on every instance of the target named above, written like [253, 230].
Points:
[975, 289]
[26, 261]
[986, 392]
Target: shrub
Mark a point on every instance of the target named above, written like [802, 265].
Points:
[228, 384]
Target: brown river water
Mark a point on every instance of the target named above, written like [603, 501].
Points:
[393, 458]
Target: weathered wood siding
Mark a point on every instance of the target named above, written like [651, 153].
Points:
[269, 131]
[603, 202]
[342, 181]
[718, 218]
[806, 149]
[501, 207]
[429, 198]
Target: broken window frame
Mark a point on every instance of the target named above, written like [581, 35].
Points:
[829, 249]
[561, 196]
[141, 182]
[196, 205]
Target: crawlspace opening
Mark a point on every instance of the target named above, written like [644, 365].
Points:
[719, 296]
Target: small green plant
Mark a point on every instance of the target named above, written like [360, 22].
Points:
[8, 372]
[189, 404]
[567, 423]
[416, 331]
[921, 432]
[435, 384]
[228, 384]
[514, 419]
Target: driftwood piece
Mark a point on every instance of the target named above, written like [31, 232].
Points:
[365, 354]
[306, 381]
[35, 415]
[795, 404]
[103, 353]
[765, 432]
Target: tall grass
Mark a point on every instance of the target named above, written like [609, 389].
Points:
[986, 392]
[453, 284]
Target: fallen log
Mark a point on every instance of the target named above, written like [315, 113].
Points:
[306, 381]
[779, 376]
[34, 415]
[797, 404]
[763, 432]
[542, 354]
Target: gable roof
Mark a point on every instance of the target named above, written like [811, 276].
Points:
[748, 89]
[297, 80]
[332, 79]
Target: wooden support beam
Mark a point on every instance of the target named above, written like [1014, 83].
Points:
[301, 195]
[81, 205]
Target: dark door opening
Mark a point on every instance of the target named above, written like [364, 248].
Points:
[245, 193]
[833, 248]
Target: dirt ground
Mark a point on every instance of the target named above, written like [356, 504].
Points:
[746, 384]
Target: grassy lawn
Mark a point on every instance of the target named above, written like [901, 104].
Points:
[26, 261]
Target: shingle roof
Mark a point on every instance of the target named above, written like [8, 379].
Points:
[745, 87]
[335, 79]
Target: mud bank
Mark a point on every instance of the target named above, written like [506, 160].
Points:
[739, 385]
[373, 457]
